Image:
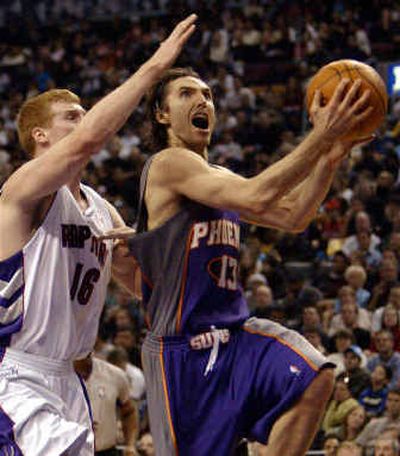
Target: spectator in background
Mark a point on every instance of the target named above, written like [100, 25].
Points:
[386, 355]
[330, 281]
[298, 295]
[387, 278]
[352, 425]
[373, 397]
[310, 317]
[252, 283]
[346, 293]
[342, 340]
[357, 378]
[391, 420]
[393, 299]
[364, 253]
[339, 406]
[119, 357]
[125, 338]
[102, 346]
[390, 320]
[356, 320]
[146, 446]
[314, 336]
[349, 449]
[331, 444]
[356, 278]
[386, 447]
[108, 390]
[263, 300]
[362, 223]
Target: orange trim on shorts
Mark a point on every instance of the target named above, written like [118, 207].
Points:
[284, 342]
[165, 388]
[185, 268]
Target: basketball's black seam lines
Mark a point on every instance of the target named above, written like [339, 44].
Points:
[337, 73]
[371, 84]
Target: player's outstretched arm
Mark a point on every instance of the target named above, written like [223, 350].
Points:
[187, 174]
[295, 211]
[43, 175]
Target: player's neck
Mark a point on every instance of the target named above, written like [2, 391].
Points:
[199, 149]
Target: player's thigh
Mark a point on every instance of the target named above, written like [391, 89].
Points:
[34, 418]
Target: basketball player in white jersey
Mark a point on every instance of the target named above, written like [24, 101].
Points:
[54, 270]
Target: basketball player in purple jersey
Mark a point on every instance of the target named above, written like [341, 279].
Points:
[54, 269]
[213, 375]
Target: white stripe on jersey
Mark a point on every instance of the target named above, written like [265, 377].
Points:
[10, 314]
[7, 289]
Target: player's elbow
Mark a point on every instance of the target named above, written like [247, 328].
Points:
[87, 141]
[299, 224]
[293, 221]
[90, 142]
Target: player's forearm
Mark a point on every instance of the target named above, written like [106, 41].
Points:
[307, 197]
[130, 428]
[111, 113]
[283, 176]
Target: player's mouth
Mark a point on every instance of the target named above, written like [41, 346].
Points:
[201, 122]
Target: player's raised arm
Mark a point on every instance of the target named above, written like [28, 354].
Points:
[57, 161]
[189, 175]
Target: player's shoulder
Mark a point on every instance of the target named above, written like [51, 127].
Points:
[176, 155]
[221, 168]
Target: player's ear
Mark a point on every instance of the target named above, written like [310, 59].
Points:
[39, 135]
[162, 116]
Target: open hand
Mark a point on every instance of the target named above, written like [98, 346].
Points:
[169, 49]
[343, 112]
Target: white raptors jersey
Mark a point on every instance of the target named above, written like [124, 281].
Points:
[52, 292]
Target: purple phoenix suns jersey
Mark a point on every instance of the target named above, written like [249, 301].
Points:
[190, 269]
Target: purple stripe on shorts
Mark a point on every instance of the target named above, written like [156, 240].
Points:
[8, 445]
[85, 393]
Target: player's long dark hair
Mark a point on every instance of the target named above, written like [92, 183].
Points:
[157, 137]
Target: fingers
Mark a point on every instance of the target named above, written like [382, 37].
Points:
[184, 26]
[352, 94]
[339, 93]
[118, 233]
[363, 141]
[315, 104]
[363, 115]
[185, 36]
[361, 102]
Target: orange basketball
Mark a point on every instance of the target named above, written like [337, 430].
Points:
[329, 76]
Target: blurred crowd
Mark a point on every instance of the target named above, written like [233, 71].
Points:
[338, 282]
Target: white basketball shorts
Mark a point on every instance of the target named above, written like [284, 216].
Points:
[44, 409]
